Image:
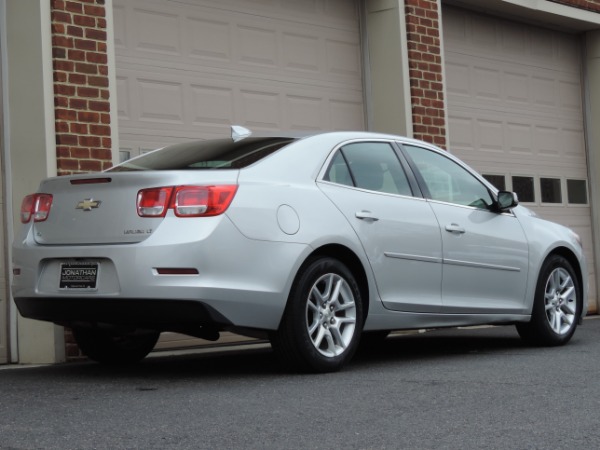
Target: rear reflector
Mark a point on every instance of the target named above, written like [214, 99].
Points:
[176, 271]
[186, 201]
[36, 206]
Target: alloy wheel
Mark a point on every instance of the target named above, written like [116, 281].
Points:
[331, 315]
[560, 301]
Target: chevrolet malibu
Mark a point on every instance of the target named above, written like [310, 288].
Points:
[312, 242]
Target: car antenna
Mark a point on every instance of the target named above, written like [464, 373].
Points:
[238, 133]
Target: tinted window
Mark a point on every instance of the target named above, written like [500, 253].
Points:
[523, 186]
[498, 181]
[338, 172]
[205, 155]
[447, 181]
[369, 165]
[577, 192]
[550, 190]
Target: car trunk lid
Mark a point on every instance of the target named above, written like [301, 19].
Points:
[101, 208]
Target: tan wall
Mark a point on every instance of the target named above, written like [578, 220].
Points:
[387, 84]
[31, 146]
[4, 296]
[592, 91]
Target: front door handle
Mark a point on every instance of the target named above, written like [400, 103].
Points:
[366, 215]
[455, 228]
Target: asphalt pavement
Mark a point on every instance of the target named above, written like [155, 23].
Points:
[455, 389]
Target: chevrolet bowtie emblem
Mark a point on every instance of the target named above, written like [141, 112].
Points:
[88, 204]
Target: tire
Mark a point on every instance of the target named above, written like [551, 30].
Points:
[114, 348]
[556, 307]
[323, 319]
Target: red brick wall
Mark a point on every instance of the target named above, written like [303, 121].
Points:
[425, 66]
[81, 86]
[81, 104]
[591, 5]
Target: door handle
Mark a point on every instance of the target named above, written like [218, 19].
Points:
[455, 228]
[366, 215]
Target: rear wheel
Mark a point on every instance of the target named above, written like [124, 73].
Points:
[114, 348]
[323, 319]
[556, 307]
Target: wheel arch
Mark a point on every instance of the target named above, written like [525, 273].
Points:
[572, 258]
[354, 264]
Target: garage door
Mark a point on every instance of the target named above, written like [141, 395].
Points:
[188, 69]
[515, 114]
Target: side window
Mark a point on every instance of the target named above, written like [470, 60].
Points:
[448, 181]
[338, 171]
[369, 165]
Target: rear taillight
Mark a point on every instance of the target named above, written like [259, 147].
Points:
[153, 202]
[202, 201]
[36, 207]
[186, 201]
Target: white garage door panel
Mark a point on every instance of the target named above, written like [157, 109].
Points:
[491, 142]
[515, 108]
[190, 69]
[200, 105]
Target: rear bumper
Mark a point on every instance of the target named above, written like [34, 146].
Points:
[159, 314]
[239, 281]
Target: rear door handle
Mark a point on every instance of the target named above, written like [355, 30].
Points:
[455, 228]
[366, 215]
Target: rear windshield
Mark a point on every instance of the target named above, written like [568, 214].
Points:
[205, 155]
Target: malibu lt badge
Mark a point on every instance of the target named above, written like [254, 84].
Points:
[88, 204]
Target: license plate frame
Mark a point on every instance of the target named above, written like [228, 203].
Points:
[79, 275]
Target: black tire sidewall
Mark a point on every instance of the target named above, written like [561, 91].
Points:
[295, 316]
[539, 322]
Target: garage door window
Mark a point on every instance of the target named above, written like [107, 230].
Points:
[523, 186]
[577, 192]
[550, 190]
[499, 181]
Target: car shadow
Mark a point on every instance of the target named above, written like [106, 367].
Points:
[439, 344]
[262, 362]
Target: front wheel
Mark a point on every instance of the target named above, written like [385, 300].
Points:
[323, 319]
[114, 348]
[557, 305]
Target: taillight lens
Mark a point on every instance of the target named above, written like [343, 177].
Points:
[186, 201]
[202, 201]
[36, 207]
[153, 202]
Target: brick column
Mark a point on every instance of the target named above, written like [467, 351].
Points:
[425, 70]
[81, 105]
[590, 5]
[81, 86]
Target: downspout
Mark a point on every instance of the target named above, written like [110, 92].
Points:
[7, 187]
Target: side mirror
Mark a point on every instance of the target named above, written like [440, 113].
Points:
[507, 200]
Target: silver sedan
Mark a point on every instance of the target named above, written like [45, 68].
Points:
[313, 242]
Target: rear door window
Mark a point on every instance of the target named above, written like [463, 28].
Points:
[373, 166]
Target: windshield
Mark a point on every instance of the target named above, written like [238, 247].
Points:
[205, 155]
